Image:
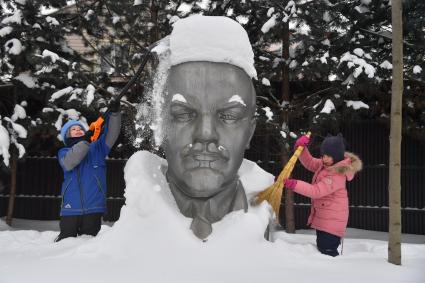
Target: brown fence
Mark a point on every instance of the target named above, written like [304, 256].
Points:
[39, 180]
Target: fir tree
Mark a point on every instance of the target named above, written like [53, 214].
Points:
[118, 33]
[37, 62]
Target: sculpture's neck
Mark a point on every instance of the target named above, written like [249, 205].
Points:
[205, 211]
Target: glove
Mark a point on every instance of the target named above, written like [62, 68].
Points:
[114, 105]
[302, 141]
[88, 135]
[290, 183]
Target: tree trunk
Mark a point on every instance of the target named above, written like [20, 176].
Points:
[289, 195]
[394, 241]
[285, 57]
[13, 168]
[154, 19]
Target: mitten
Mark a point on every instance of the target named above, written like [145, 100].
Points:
[302, 141]
[114, 105]
[88, 135]
[290, 183]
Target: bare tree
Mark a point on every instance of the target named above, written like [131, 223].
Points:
[394, 241]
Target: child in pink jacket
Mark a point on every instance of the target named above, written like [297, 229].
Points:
[328, 191]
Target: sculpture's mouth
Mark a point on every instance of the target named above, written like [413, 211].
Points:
[206, 156]
[204, 159]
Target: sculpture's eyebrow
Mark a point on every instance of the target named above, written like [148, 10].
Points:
[177, 104]
[178, 97]
[179, 100]
[236, 98]
[232, 105]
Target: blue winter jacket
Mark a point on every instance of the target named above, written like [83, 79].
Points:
[84, 186]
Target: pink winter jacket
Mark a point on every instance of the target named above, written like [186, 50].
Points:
[328, 193]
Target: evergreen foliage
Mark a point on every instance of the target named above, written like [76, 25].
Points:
[339, 63]
[36, 61]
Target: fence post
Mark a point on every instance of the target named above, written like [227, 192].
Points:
[289, 205]
[11, 205]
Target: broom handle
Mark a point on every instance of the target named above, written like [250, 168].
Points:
[300, 149]
[285, 174]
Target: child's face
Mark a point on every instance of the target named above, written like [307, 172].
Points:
[76, 131]
[327, 160]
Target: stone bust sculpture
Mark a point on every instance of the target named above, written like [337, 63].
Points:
[208, 120]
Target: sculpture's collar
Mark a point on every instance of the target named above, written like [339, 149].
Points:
[206, 211]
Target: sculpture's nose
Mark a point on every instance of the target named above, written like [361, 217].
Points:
[206, 129]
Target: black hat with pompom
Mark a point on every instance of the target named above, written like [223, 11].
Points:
[334, 147]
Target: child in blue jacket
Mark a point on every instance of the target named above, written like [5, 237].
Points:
[84, 166]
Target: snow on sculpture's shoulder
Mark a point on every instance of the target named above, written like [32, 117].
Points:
[213, 39]
[252, 223]
[145, 182]
[254, 178]
[150, 201]
[142, 162]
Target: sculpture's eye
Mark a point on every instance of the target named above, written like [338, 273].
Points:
[182, 113]
[228, 118]
[184, 116]
[232, 114]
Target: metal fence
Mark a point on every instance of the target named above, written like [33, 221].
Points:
[368, 192]
[39, 180]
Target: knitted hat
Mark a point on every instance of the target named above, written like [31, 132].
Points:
[334, 147]
[67, 126]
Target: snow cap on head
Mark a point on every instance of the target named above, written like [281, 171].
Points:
[67, 126]
[334, 147]
[213, 39]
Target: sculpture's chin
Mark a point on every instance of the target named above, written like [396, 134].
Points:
[203, 182]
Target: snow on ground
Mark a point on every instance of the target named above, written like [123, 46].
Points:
[352, 233]
[28, 255]
[152, 242]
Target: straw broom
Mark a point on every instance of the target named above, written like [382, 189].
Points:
[273, 194]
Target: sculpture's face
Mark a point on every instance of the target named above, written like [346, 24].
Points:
[210, 120]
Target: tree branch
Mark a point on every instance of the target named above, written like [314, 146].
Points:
[102, 56]
[390, 38]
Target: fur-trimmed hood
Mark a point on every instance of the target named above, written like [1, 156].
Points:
[349, 166]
